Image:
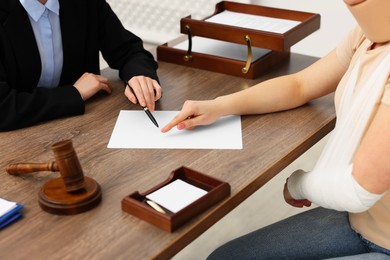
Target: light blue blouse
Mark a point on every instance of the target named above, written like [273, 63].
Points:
[45, 22]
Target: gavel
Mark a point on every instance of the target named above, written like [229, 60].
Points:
[72, 193]
[67, 163]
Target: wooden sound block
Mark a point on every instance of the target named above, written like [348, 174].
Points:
[53, 197]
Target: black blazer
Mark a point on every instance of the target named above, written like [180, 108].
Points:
[87, 27]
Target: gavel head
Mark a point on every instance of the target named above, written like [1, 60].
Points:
[69, 165]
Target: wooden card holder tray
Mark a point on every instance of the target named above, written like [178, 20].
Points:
[278, 43]
[216, 191]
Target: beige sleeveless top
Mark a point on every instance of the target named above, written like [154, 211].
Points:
[373, 224]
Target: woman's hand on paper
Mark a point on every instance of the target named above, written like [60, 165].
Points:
[194, 113]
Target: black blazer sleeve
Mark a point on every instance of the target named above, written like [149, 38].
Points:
[122, 49]
[87, 27]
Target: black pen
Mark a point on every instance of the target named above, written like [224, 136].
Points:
[144, 108]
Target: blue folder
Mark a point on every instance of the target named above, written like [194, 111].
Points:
[11, 216]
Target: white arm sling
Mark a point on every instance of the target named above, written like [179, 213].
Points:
[331, 184]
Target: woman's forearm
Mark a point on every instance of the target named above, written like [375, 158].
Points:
[273, 95]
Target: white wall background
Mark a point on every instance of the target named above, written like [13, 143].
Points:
[336, 22]
[158, 21]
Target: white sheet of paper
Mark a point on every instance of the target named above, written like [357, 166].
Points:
[133, 129]
[176, 195]
[255, 22]
[221, 49]
[6, 206]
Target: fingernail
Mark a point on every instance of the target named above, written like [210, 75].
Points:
[181, 126]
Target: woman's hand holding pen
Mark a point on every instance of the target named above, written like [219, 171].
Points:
[143, 90]
[194, 113]
[89, 84]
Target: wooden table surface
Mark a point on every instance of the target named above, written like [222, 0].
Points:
[270, 143]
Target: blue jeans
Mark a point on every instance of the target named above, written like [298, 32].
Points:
[315, 234]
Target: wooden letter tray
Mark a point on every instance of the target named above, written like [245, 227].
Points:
[278, 44]
[216, 191]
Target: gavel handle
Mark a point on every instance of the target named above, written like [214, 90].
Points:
[21, 168]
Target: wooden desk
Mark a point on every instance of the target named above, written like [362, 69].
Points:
[271, 142]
